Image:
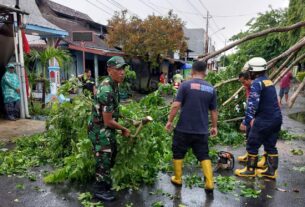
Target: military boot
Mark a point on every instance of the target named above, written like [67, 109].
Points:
[102, 191]
[263, 162]
[250, 169]
[243, 158]
[272, 165]
[206, 166]
[177, 178]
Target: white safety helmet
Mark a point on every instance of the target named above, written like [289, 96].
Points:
[257, 64]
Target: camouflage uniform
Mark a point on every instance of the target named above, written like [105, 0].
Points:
[102, 137]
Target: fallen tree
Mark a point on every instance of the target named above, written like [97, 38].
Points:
[253, 36]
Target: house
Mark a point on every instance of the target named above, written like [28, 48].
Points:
[92, 54]
[25, 15]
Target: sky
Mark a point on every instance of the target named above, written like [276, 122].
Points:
[228, 17]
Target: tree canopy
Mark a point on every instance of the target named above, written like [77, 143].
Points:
[149, 38]
[295, 13]
[268, 46]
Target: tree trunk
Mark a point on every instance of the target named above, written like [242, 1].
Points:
[296, 93]
[255, 35]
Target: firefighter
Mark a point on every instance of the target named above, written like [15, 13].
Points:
[264, 116]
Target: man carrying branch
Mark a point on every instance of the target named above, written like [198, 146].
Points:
[102, 126]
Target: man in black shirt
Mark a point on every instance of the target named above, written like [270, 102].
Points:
[195, 99]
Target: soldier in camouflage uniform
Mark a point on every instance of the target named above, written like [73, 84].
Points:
[102, 126]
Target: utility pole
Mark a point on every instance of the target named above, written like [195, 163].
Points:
[206, 48]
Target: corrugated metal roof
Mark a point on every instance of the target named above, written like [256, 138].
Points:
[35, 17]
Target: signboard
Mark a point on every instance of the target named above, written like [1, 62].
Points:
[82, 36]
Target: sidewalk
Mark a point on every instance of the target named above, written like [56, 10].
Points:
[22, 127]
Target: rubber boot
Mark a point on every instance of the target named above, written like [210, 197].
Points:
[272, 165]
[263, 162]
[250, 169]
[243, 158]
[103, 192]
[206, 166]
[177, 178]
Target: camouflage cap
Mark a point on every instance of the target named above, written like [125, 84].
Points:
[116, 62]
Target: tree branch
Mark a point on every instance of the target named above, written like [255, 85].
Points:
[224, 82]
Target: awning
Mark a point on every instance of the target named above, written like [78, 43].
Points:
[44, 31]
[95, 51]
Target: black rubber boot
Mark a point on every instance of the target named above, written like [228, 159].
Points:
[250, 169]
[103, 192]
[272, 165]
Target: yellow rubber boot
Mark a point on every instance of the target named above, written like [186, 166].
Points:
[250, 169]
[263, 162]
[177, 178]
[243, 158]
[272, 165]
[206, 166]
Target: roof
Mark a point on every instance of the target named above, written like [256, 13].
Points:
[75, 24]
[34, 18]
[66, 11]
[7, 9]
[195, 40]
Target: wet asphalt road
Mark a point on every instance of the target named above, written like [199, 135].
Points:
[287, 190]
[37, 194]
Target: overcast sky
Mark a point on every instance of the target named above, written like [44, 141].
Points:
[231, 14]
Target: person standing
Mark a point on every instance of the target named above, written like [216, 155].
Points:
[264, 116]
[195, 98]
[178, 78]
[285, 86]
[245, 80]
[11, 93]
[88, 82]
[102, 126]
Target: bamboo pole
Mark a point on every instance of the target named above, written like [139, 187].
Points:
[226, 81]
[301, 57]
[296, 93]
[234, 119]
[235, 94]
[276, 72]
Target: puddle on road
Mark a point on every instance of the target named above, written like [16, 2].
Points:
[300, 116]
